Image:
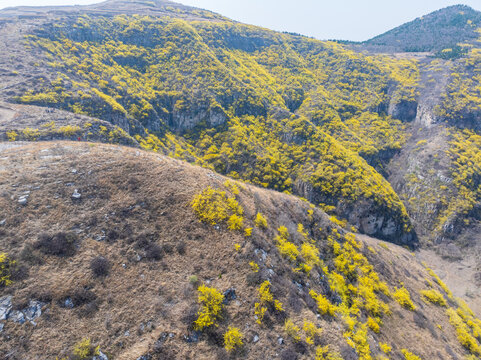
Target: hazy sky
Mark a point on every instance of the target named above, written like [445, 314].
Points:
[323, 19]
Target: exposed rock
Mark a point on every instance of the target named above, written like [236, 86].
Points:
[229, 295]
[192, 337]
[186, 119]
[5, 306]
[2, 325]
[144, 357]
[100, 356]
[403, 110]
[255, 338]
[17, 316]
[261, 254]
[450, 251]
[22, 200]
[371, 224]
[34, 310]
[76, 194]
[68, 303]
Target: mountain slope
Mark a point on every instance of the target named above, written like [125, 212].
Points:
[136, 212]
[439, 30]
[282, 111]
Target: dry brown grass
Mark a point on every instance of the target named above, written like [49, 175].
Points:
[136, 200]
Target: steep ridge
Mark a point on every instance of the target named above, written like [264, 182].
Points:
[123, 264]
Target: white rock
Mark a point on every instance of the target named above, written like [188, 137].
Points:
[5, 306]
[76, 194]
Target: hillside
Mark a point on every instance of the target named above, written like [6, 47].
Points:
[319, 141]
[123, 265]
[210, 91]
[440, 30]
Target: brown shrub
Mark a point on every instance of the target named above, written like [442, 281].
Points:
[60, 244]
[100, 266]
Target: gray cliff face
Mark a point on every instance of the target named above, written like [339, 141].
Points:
[403, 110]
[187, 119]
[365, 215]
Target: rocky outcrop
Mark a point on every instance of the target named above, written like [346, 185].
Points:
[403, 110]
[367, 216]
[181, 120]
[30, 313]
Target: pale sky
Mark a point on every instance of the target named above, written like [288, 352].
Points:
[323, 19]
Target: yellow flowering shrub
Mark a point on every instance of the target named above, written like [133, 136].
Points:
[409, 355]
[403, 297]
[292, 330]
[260, 221]
[265, 298]
[233, 339]
[211, 307]
[5, 269]
[311, 331]
[324, 306]
[213, 206]
[433, 296]
[84, 350]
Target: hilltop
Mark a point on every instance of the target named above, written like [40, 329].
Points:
[440, 30]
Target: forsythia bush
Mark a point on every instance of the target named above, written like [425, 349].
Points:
[433, 296]
[403, 297]
[84, 349]
[409, 355]
[385, 348]
[5, 269]
[214, 206]
[211, 301]
[260, 221]
[323, 353]
[463, 331]
[233, 339]
[286, 248]
[373, 324]
[324, 306]
[292, 330]
[311, 331]
[265, 298]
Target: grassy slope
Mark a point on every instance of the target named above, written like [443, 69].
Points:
[136, 197]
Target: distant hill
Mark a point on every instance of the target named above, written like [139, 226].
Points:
[434, 32]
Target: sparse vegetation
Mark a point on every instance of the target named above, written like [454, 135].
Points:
[280, 111]
[403, 297]
[6, 265]
[84, 350]
[433, 296]
[100, 266]
[59, 244]
[233, 339]
[211, 307]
